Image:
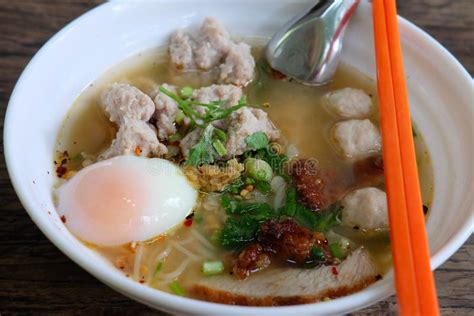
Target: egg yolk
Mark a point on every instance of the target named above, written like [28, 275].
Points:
[109, 201]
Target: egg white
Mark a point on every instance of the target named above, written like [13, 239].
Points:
[125, 199]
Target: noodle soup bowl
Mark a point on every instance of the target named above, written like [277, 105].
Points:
[440, 95]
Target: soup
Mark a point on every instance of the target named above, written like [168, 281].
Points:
[288, 178]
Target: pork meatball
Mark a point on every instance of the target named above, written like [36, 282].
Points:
[349, 103]
[238, 67]
[166, 109]
[135, 137]
[122, 101]
[357, 138]
[365, 208]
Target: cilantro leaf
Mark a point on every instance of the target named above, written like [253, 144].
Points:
[244, 222]
[257, 140]
[206, 151]
[234, 207]
[234, 187]
[320, 221]
[239, 231]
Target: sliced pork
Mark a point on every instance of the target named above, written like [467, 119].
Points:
[286, 285]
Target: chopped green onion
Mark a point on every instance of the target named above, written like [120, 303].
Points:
[317, 254]
[220, 134]
[186, 92]
[249, 180]
[176, 288]
[179, 118]
[258, 169]
[220, 149]
[337, 251]
[158, 267]
[212, 267]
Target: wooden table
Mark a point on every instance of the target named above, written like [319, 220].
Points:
[35, 277]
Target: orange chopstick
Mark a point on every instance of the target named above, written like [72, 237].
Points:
[405, 279]
[413, 277]
[416, 219]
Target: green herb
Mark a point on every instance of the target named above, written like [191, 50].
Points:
[263, 186]
[257, 140]
[244, 222]
[205, 151]
[234, 187]
[186, 92]
[220, 149]
[289, 209]
[316, 257]
[212, 267]
[413, 131]
[239, 231]
[320, 221]
[328, 218]
[176, 288]
[234, 207]
[213, 110]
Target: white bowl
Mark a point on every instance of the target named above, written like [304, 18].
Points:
[440, 93]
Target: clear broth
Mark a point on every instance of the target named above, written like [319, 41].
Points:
[294, 108]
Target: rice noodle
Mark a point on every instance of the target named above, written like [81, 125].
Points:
[165, 253]
[137, 261]
[186, 241]
[202, 239]
[191, 255]
[168, 277]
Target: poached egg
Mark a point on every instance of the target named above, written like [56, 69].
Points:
[125, 199]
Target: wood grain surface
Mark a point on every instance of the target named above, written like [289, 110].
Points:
[36, 278]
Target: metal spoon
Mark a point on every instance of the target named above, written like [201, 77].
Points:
[308, 47]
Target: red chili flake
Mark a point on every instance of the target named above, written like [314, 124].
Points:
[334, 270]
[188, 222]
[63, 219]
[142, 281]
[277, 75]
[138, 151]
[60, 171]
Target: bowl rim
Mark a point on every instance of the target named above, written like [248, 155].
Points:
[172, 302]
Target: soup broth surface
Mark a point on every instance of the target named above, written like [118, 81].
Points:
[295, 109]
